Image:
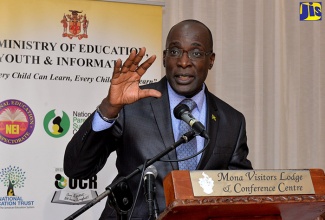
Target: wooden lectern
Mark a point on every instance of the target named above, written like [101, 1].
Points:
[181, 203]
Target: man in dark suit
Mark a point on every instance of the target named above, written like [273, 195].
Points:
[138, 123]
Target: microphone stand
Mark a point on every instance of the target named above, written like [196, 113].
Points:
[119, 193]
[156, 208]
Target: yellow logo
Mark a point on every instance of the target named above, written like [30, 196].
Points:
[310, 11]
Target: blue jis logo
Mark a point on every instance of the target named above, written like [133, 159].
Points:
[310, 11]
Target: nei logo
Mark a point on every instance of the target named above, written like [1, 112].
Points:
[17, 121]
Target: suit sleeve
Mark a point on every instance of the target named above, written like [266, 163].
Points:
[239, 158]
[87, 151]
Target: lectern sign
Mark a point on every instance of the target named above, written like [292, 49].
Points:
[251, 182]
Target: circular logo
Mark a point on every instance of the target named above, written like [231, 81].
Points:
[17, 121]
[56, 123]
[60, 182]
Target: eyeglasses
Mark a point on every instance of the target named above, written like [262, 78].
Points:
[194, 54]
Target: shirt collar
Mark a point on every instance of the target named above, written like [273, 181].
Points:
[175, 98]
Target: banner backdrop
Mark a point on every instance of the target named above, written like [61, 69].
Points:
[56, 60]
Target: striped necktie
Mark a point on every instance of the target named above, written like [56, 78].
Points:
[189, 148]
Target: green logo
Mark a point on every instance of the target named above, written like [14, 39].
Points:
[56, 123]
[12, 177]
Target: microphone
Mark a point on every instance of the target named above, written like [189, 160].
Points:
[182, 112]
[150, 175]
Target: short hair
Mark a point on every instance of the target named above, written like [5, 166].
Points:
[197, 22]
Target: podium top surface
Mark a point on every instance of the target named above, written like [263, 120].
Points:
[181, 202]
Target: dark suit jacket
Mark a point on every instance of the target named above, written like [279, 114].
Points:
[143, 130]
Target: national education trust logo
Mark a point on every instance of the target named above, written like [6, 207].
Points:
[17, 121]
[56, 123]
[13, 177]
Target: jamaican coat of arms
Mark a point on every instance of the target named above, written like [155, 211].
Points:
[75, 25]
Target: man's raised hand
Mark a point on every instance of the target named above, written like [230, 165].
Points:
[124, 87]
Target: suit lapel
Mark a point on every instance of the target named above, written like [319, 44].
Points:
[163, 119]
[212, 128]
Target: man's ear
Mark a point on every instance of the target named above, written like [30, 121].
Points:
[212, 57]
[164, 58]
